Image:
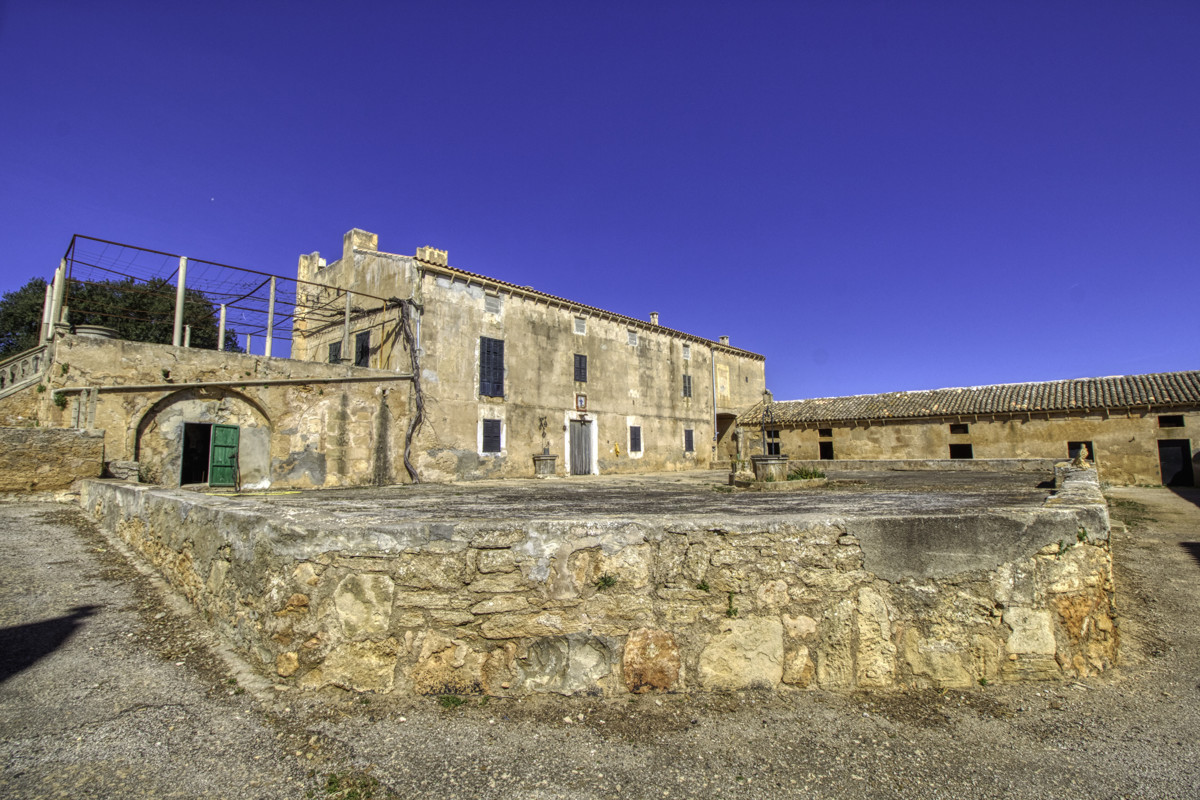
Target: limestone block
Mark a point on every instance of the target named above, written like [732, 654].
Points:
[747, 653]
[364, 605]
[430, 571]
[286, 664]
[835, 657]
[447, 666]
[501, 603]
[938, 660]
[571, 664]
[306, 574]
[799, 627]
[358, 666]
[876, 662]
[496, 561]
[799, 669]
[651, 661]
[216, 575]
[440, 600]
[522, 626]
[772, 594]
[1032, 631]
[500, 583]
[630, 566]
[497, 538]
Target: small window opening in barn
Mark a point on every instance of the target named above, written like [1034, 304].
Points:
[825, 433]
[581, 325]
[362, 349]
[491, 436]
[687, 352]
[633, 338]
[635, 438]
[689, 442]
[580, 368]
[1073, 449]
[1170, 421]
[335, 352]
[773, 448]
[826, 451]
[491, 303]
[687, 385]
[959, 428]
[197, 441]
[961, 451]
[491, 367]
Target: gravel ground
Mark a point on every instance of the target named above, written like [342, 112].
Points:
[109, 688]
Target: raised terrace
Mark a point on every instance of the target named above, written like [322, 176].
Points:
[645, 583]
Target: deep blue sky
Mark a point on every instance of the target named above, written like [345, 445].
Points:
[875, 195]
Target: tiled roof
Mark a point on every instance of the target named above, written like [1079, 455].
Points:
[1083, 394]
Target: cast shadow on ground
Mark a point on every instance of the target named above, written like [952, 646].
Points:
[22, 646]
[1192, 549]
[1189, 493]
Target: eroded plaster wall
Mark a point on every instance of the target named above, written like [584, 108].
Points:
[302, 424]
[1126, 446]
[635, 371]
[655, 604]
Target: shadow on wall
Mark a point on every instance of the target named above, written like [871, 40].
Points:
[22, 646]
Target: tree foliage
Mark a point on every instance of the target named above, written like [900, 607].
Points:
[138, 311]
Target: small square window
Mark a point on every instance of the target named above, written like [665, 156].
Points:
[581, 325]
[687, 352]
[687, 385]
[773, 448]
[825, 433]
[959, 428]
[491, 436]
[580, 368]
[635, 438]
[491, 303]
[1170, 421]
[633, 338]
[961, 451]
[362, 349]
[335, 352]
[689, 444]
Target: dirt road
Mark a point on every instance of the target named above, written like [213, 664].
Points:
[109, 690]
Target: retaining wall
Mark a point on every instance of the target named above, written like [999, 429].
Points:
[41, 459]
[654, 604]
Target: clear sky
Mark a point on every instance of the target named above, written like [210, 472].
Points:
[875, 195]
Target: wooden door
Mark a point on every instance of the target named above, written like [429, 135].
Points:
[581, 448]
[223, 460]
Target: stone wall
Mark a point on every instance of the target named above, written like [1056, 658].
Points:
[1042, 466]
[1125, 445]
[40, 459]
[664, 603]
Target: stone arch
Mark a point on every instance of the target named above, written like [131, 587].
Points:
[158, 443]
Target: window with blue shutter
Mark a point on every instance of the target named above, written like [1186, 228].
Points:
[491, 367]
[491, 436]
[580, 368]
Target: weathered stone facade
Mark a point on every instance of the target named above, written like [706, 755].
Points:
[677, 390]
[660, 603]
[1122, 423]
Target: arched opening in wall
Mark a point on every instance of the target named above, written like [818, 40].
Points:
[208, 436]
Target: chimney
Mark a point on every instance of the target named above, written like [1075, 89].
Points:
[433, 255]
[653, 317]
[725, 340]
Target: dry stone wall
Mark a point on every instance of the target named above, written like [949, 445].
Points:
[610, 606]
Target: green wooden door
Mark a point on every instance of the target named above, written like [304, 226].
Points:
[223, 456]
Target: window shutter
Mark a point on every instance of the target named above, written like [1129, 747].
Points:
[362, 349]
[335, 352]
[491, 367]
[688, 441]
[635, 438]
[491, 436]
[581, 368]
[687, 385]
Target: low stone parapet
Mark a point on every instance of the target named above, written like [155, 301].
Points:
[44, 459]
[1021, 465]
[658, 603]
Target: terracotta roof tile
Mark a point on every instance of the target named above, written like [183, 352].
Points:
[1116, 392]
